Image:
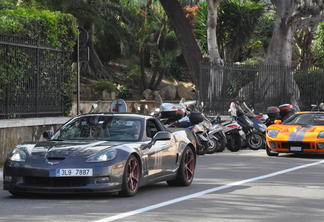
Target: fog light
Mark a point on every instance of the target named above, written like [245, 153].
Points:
[272, 145]
[8, 178]
[102, 180]
[320, 146]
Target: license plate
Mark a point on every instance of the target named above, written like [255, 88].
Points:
[76, 172]
[295, 148]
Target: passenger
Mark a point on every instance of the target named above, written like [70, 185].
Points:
[137, 129]
[96, 131]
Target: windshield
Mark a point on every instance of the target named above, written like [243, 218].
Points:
[247, 110]
[305, 119]
[114, 128]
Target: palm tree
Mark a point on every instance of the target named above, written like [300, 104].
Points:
[235, 26]
[99, 15]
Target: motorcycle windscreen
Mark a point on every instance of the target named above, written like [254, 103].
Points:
[247, 111]
[233, 109]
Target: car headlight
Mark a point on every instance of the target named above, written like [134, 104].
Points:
[321, 134]
[102, 157]
[17, 155]
[272, 133]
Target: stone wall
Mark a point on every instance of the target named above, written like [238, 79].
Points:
[16, 131]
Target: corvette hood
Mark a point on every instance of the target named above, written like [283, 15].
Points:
[64, 149]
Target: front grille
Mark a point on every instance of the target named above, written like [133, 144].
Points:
[302, 145]
[56, 181]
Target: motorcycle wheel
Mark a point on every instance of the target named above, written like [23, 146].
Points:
[254, 141]
[234, 142]
[212, 146]
[221, 144]
[270, 152]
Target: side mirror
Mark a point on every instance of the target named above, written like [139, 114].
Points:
[277, 121]
[161, 136]
[47, 134]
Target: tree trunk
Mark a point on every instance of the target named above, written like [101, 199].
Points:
[279, 54]
[185, 37]
[216, 76]
[305, 41]
[95, 67]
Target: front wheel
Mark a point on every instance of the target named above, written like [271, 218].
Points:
[212, 146]
[186, 169]
[131, 177]
[255, 141]
[221, 143]
[270, 152]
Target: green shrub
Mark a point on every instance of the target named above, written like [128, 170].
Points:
[125, 92]
[102, 85]
[59, 31]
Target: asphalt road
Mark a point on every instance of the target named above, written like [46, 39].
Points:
[243, 186]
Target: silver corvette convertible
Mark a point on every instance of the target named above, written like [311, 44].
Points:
[95, 153]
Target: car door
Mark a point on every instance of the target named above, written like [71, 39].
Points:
[162, 155]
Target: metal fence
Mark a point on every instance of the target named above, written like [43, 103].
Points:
[259, 86]
[31, 75]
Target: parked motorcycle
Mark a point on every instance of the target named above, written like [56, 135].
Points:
[233, 132]
[217, 130]
[254, 139]
[210, 132]
[170, 114]
[259, 126]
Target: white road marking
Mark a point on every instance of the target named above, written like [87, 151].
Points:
[141, 210]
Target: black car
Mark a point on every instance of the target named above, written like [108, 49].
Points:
[102, 153]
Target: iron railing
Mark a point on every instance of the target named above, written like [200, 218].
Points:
[31, 76]
[258, 86]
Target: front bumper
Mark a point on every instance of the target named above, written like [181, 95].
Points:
[294, 147]
[37, 180]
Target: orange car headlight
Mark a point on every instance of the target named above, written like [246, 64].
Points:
[321, 134]
[272, 133]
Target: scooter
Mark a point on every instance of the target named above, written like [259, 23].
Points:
[170, 116]
[217, 130]
[233, 132]
[254, 139]
[259, 126]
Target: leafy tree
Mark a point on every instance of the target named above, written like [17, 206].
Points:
[100, 15]
[320, 46]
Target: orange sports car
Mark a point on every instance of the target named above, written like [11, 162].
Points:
[303, 132]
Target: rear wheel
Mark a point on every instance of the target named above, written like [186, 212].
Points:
[186, 170]
[234, 142]
[131, 177]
